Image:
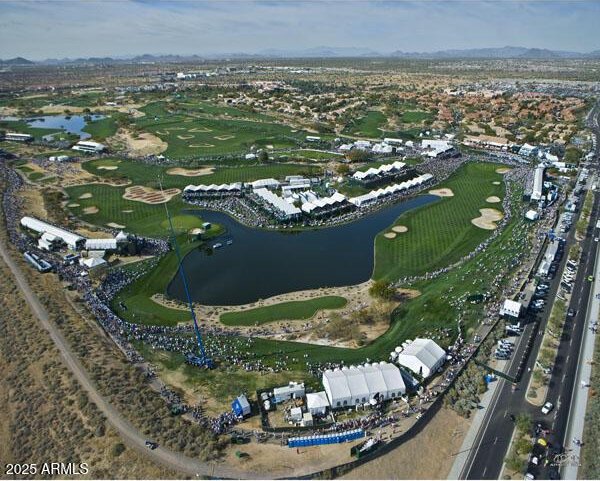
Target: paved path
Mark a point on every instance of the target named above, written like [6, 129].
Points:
[583, 374]
[130, 434]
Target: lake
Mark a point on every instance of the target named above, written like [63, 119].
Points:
[72, 125]
[261, 263]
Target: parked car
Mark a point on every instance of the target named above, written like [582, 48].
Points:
[571, 313]
[547, 408]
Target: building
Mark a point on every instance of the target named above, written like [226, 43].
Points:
[294, 390]
[532, 215]
[16, 137]
[73, 241]
[278, 206]
[59, 158]
[212, 190]
[437, 148]
[313, 138]
[392, 141]
[422, 356]
[528, 150]
[92, 262]
[538, 183]
[368, 383]
[390, 190]
[317, 403]
[101, 244]
[89, 146]
[265, 184]
[240, 406]
[510, 309]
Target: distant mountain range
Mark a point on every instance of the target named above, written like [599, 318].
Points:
[507, 52]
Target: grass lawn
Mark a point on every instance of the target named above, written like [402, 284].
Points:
[22, 128]
[439, 306]
[369, 125]
[440, 233]
[415, 117]
[284, 310]
[192, 136]
[101, 129]
[137, 217]
[311, 155]
[148, 175]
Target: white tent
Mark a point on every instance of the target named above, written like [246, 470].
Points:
[101, 244]
[422, 356]
[72, 240]
[511, 308]
[317, 403]
[358, 385]
[92, 262]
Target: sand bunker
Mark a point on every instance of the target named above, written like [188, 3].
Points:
[389, 235]
[224, 137]
[400, 229]
[87, 195]
[72, 205]
[127, 211]
[92, 209]
[444, 192]
[493, 199]
[201, 146]
[503, 170]
[115, 225]
[185, 137]
[488, 219]
[496, 182]
[148, 195]
[108, 167]
[143, 144]
[190, 172]
[196, 129]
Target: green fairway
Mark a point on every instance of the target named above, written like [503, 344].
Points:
[369, 125]
[22, 128]
[311, 155]
[191, 136]
[285, 310]
[415, 117]
[148, 175]
[101, 129]
[440, 233]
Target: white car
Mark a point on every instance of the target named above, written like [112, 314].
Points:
[547, 408]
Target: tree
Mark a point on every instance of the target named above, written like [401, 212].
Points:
[523, 422]
[358, 155]
[342, 169]
[263, 156]
[382, 290]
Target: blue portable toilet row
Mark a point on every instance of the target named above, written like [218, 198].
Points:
[320, 439]
[240, 406]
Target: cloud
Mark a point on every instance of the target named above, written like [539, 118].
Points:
[73, 28]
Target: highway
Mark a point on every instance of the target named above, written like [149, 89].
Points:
[485, 461]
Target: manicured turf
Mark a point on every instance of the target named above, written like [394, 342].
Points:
[369, 125]
[285, 310]
[101, 129]
[144, 219]
[22, 128]
[440, 233]
[192, 136]
[148, 175]
[311, 154]
[415, 117]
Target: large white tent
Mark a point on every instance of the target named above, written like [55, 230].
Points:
[317, 403]
[422, 356]
[350, 386]
[72, 240]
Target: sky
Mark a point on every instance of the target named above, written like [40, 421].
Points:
[86, 28]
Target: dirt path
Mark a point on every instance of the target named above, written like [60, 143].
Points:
[129, 433]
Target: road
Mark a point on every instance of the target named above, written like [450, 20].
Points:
[130, 434]
[485, 461]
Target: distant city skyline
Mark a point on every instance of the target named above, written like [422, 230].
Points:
[56, 29]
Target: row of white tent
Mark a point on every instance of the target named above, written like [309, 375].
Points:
[390, 189]
[277, 202]
[375, 171]
[236, 186]
[317, 203]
